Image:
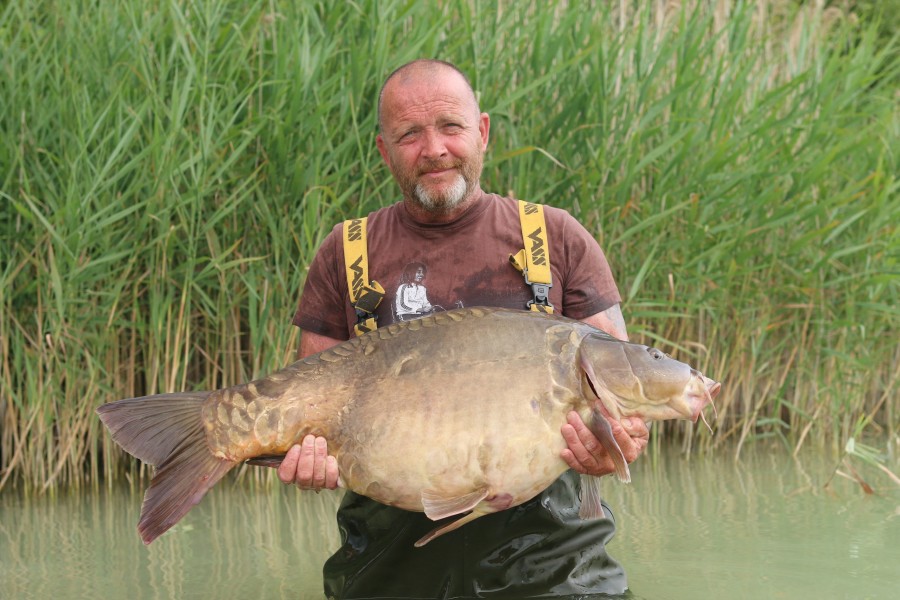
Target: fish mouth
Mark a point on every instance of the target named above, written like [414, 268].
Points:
[711, 389]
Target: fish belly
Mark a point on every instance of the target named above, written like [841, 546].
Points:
[448, 433]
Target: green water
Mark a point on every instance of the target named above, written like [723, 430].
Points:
[708, 527]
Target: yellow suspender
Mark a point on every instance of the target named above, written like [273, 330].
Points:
[365, 295]
[534, 260]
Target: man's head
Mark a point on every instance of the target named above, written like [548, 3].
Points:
[432, 135]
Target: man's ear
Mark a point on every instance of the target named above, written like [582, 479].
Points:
[379, 142]
[484, 128]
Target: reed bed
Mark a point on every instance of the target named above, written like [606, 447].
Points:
[168, 168]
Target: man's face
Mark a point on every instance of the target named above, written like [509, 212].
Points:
[433, 138]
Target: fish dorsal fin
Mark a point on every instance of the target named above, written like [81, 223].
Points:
[439, 506]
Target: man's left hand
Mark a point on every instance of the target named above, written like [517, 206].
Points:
[586, 455]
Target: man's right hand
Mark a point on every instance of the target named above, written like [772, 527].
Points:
[309, 465]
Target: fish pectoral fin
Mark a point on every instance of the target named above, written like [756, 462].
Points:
[591, 506]
[439, 506]
[601, 429]
[454, 525]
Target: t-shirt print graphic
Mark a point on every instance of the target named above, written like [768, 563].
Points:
[411, 298]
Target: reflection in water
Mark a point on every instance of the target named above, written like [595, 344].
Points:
[237, 543]
[701, 528]
[764, 527]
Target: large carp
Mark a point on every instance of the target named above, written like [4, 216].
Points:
[458, 413]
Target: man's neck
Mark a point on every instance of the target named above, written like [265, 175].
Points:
[420, 214]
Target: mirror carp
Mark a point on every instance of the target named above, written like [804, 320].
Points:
[456, 413]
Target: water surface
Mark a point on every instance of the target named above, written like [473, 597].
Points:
[704, 527]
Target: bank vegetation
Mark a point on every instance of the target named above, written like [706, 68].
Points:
[168, 169]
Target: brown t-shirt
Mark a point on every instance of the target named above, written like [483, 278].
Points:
[425, 268]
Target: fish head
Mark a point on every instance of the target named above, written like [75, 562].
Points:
[633, 380]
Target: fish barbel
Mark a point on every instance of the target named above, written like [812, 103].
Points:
[457, 413]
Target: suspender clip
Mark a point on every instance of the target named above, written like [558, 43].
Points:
[541, 302]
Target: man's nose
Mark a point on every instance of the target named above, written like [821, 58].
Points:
[433, 144]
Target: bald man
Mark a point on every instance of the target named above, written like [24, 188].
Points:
[433, 137]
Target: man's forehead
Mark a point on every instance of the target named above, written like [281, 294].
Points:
[433, 77]
[420, 97]
[427, 89]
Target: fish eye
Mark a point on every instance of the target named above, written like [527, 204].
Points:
[656, 354]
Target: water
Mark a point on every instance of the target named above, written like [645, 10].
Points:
[707, 527]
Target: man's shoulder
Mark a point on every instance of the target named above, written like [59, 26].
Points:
[379, 214]
[559, 219]
[379, 217]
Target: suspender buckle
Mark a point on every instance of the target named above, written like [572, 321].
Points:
[369, 298]
[541, 293]
[365, 322]
[541, 302]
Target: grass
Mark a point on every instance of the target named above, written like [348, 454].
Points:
[168, 169]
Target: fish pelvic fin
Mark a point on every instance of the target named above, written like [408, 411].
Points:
[485, 506]
[166, 431]
[602, 430]
[450, 527]
[591, 505]
[438, 506]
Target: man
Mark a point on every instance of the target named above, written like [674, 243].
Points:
[433, 138]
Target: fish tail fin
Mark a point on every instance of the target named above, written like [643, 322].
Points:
[166, 431]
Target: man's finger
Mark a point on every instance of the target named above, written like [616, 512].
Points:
[582, 444]
[287, 470]
[331, 472]
[320, 453]
[631, 442]
[305, 464]
[587, 437]
[579, 453]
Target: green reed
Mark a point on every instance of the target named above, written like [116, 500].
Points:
[170, 167]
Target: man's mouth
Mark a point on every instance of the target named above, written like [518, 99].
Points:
[435, 171]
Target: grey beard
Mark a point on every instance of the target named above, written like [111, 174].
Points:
[443, 202]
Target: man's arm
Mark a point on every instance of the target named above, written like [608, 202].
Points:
[311, 343]
[611, 321]
[308, 464]
[585, 454]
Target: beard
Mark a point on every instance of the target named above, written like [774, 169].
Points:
[443, 200]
